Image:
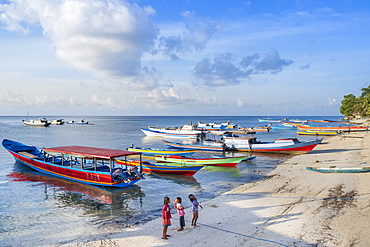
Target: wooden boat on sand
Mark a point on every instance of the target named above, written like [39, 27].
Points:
[335, 169]
[95, 166]
[334, 128]
[148, 167]
[317, 133]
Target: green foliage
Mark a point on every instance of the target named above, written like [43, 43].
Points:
[356, 107]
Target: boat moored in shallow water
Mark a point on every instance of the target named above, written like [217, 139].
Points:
[90, 165]
[168, 151]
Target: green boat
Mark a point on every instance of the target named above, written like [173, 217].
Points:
[218, 161]
[339, 169]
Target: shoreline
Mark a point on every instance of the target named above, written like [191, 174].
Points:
[292, 207]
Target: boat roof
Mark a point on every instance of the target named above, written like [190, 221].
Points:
[90, 152]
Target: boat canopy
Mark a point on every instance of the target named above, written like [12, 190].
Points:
[90, 152]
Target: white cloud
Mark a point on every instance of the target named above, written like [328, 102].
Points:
[11, 99]
[106, 38]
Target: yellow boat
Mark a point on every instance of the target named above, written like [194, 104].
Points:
[317, 133]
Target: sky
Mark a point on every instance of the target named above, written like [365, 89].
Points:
[182, 57]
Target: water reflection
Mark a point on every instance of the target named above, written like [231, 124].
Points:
[104, 202]
[188, 181]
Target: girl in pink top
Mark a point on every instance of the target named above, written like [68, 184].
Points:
[166, 217]
[180, 212]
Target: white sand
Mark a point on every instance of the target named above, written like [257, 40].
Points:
[293, 207]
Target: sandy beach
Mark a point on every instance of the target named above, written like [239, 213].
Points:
[292, 207]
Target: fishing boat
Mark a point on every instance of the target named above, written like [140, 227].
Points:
[167, 168]
[283, 127]
[95, 166]
[216, 161]
[57, 121]
[269, 120]
[334, 128]
[185, 131]
[317, 133]
[336, 169]
[82, 121]
[318, 121]
[168, 151]
[216, 127]
[282, 145]
[41, 122]
[250, 144]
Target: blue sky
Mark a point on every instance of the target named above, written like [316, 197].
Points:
[172, 57]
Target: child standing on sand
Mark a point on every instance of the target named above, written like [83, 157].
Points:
[180, 212]
[194, 208]
[166, 217]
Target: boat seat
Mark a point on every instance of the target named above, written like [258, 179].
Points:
[29, 155]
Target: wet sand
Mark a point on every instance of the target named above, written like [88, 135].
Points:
[292, 207]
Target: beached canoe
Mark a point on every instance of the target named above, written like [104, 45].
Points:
[216, 161]
[336, 169]
[148, 167]
[95, 166]
[317, 133]
[168, 151]
[334, 128]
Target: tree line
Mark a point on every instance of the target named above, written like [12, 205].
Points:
[353, 106]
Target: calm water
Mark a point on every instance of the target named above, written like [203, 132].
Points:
[37, 209]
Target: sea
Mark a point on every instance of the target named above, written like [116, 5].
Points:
[42, 210]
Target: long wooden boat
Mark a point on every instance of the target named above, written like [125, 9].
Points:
[88, 165]
[332, 169]
[250, 144]
[282, 145]
[167, 168]
[204, 146]
[334, 128]
[317, 133]
[318, 121]
[168, 151]
[219, 161]
[183, 132]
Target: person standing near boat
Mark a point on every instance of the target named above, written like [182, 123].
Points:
[194, 208]
[166, 217]
[180, 212]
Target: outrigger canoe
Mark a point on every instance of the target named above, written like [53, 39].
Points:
[339, 169]
[89, 165]
[219, 161]
[169, 151]
[148, 167]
